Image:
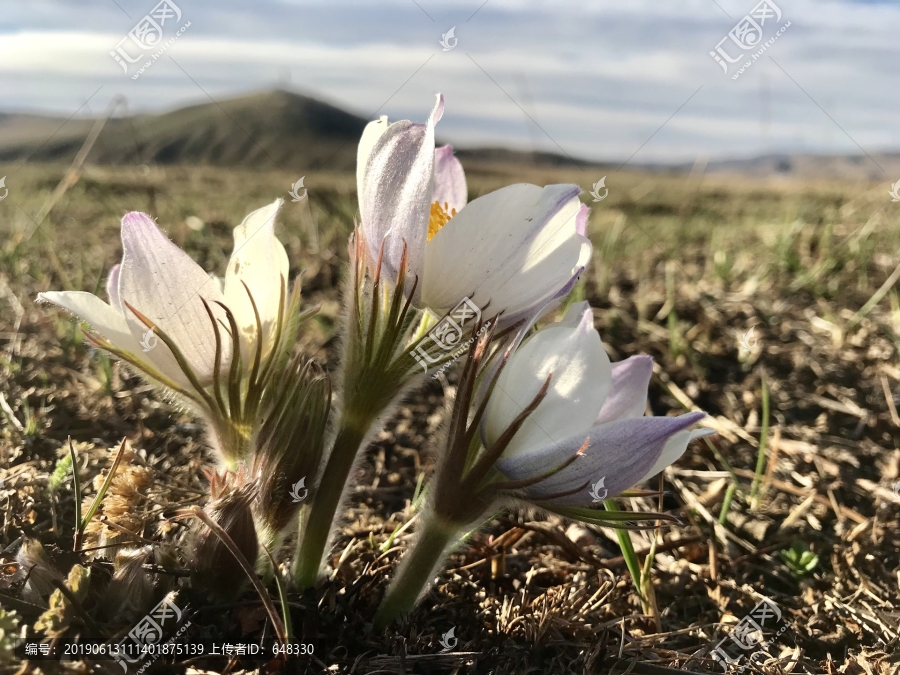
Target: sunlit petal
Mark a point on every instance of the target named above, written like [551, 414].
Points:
[510, 250]
[162, 282]
[580, 377]
[396, 193]
[259, 261]
[112, 288]
[370, 135]
[108, 322]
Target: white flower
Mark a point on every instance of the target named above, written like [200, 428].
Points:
[513, 250]
[588, 400]
[174, 294]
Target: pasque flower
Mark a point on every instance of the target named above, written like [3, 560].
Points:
[591, 408]
[512, 250]
[421, 245]
[559, 427]
[218, 343]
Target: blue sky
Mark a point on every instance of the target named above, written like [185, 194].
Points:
[601, 79]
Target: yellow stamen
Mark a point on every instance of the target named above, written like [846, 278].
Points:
[439, 217]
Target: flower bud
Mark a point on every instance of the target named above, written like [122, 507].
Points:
[289, 447]
[130, 591]
[40, 571]
[213, 565]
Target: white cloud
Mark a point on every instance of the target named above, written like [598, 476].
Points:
[598, 76]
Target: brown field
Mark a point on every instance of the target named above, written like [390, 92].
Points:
[683, 267]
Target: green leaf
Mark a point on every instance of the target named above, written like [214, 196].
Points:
[799, 559]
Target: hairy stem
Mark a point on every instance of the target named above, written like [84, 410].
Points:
[415, 571]
[317, 525]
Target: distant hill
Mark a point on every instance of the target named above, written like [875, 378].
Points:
[283, 129]
[277, 128]
[271, 129]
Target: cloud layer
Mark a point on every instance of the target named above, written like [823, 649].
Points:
[602, 80]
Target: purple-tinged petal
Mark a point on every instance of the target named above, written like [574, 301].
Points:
[674, 449]
[620, 453]
[162, 282]
[112, 288]
[581, 220]
[450, 190]
[628, 395]
[396, 195]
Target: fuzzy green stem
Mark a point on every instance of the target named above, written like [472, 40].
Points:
[317, 525]
[415, 571]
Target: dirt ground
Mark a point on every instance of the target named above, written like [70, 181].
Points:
[733, 286]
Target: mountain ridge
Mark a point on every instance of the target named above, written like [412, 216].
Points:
[281, 129]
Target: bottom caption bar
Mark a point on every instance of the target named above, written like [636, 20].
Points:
[134, 653]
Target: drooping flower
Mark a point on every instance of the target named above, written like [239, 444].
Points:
[177, 324]
[512, 250]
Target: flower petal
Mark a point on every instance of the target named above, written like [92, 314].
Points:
[509, 250]
[449, 180]
[580, 379]
[113, 326]
[628, 395]
[581, 220]
[161, 281]
[395, 198]
[621, 453]
[674, 449]
[112, 288]
[103, 318]
[370, 135]
[259, 261]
